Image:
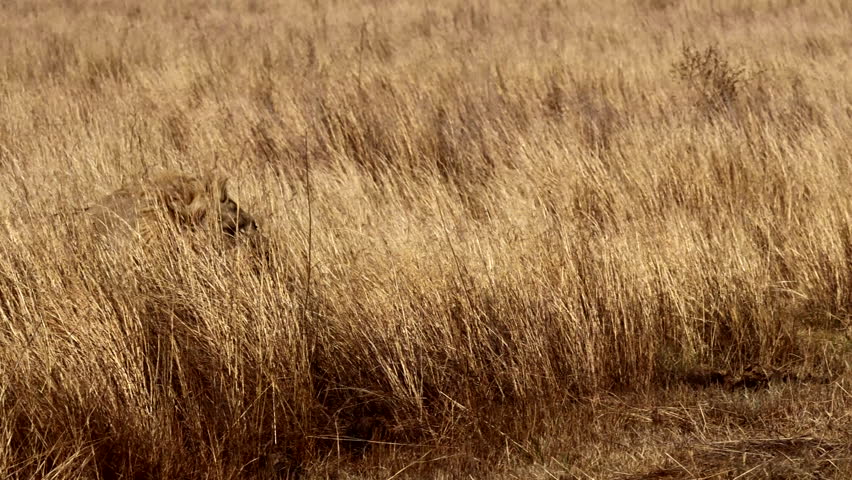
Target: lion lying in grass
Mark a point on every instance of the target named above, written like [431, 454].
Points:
[185, 201]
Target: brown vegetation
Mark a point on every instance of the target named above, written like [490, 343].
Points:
[540, 239]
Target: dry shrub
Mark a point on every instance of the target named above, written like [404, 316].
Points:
[714, 82]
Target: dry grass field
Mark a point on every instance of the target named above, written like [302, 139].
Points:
[543, 239]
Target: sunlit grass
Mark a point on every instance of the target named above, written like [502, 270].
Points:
[480, 222]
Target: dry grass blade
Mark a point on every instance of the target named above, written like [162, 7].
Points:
[540, 239]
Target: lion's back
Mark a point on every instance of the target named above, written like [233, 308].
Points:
[127, 209]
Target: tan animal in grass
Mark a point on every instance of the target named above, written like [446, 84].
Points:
[186, 201]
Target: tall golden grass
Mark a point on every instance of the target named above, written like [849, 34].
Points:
[475, 216]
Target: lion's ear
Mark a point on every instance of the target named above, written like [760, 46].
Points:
[218, 185]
